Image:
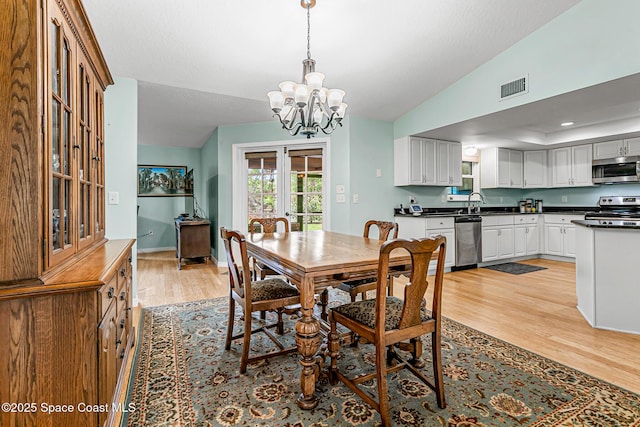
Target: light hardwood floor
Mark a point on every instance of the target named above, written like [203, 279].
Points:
[536, 311]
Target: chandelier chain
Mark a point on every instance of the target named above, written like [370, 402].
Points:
[308, 30]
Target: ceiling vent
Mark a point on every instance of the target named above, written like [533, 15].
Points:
[516, 87]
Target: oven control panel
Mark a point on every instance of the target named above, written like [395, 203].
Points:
[622, 201]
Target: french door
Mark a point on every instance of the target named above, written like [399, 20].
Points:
[282, 181]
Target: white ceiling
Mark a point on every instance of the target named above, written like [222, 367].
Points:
[202, 63]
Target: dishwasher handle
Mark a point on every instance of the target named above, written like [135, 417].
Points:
[470, 218]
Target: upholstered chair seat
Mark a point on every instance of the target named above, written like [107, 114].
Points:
[270, 289]
[364, 312]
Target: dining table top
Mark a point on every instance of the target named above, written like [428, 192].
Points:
[317, 253]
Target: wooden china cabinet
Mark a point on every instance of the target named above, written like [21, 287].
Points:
[65, 291]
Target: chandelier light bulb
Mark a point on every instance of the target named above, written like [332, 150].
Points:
[334, 98]
[314, 80]
[341, 110]
[276, 100]
[301, 95]
[287, 89]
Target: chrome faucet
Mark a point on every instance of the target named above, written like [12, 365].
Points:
[469, 203]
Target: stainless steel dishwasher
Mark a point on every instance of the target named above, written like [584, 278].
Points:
[468, 241]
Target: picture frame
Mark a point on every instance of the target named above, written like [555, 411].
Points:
[162, 181]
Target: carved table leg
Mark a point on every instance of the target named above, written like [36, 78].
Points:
[308, 340]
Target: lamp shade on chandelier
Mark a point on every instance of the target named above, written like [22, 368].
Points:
[308, 107]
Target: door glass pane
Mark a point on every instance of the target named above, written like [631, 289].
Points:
[306, 191]
[67, 189]
[55, 66]
[66, 75]
[55, 213]
[55, 136]
[82, 209]
[262, 185]
[66, 140]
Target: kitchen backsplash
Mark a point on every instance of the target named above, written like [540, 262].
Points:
[574, 196]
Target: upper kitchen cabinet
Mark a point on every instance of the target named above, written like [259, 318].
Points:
[449, 163]
[501, 168]
[617, 148]
[422, 161]
[571, 166]
[535, 169]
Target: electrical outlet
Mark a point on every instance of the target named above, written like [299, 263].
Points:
[564, 199]
[378, 172]
[356, 198]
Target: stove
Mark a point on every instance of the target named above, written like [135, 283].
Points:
[617, 210]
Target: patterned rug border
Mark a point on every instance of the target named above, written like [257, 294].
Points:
[205, 302]
[518, 358]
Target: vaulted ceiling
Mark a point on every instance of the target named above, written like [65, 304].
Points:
[201, 63]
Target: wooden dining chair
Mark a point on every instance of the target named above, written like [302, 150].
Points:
[355, 287]
[272, 294]
[361, 286]
[388, 322]
[266, 225]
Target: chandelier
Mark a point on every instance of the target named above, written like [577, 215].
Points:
[307, 107]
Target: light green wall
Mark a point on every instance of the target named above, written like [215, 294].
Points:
[591, 43]
[210, 201]
[121, 138]
[371, 147]
[157, 213]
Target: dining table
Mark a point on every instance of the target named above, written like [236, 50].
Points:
[313, 261]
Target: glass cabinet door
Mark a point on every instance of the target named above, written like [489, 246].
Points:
[60, 237]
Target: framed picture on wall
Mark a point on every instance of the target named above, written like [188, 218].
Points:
[164, 181]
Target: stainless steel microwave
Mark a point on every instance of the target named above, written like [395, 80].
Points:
[619, 169]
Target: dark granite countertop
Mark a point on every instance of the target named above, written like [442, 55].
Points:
[498, 210]
[592, 223]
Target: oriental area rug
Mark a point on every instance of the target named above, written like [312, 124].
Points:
[183, 376]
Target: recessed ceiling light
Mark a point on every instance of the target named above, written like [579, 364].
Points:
[566, 124]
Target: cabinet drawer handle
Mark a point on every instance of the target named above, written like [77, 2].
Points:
[122, 354]
[118, 342]
[122, 295]
[111, 292]
[123, 272]
[122, 324]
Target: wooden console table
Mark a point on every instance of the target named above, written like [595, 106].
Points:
[193, 239]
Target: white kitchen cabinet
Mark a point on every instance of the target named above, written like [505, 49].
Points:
[422, 161]
[501, 168]
[617, 148]
[443, 226]
[526, 235]
[449, 163]
[410, 227]
[535, 169]
[414, 161]
[559, 235]
[497, 237]
[571, 166]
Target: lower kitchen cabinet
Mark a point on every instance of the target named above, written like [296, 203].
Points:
[526, 235]
[410, 227]
[497, 237]
[444, 227]
[559, 235]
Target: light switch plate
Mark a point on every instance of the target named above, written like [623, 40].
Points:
[340, 189]
[114, 198]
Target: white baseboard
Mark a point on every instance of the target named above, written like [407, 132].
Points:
[150, 250]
